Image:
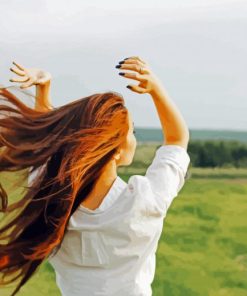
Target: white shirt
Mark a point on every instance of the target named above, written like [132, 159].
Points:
[111, 250]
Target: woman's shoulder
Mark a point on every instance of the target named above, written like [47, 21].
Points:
[137, 184]
[163, 179]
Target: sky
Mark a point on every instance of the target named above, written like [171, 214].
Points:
[198, 49]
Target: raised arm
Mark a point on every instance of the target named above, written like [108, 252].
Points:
[174, 127]
[165, 176]
[41, 79]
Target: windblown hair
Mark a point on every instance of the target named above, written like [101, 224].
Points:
[68, 148]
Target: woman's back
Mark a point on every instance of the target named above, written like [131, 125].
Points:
[111, 250]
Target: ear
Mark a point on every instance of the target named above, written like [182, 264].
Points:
[117, 155]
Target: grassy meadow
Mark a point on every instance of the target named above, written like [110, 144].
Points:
[203, 247]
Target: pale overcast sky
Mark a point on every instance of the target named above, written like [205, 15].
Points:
[197, 48]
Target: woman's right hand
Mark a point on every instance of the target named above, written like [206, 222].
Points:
[149, 82]
[31, 76]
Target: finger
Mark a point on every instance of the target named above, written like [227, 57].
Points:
[135, 76]
[29, 83]
[137, 88]
[136, 58]
[132, 61]
[19, 66]
[19, 79]
[17, 71]
[134, 67]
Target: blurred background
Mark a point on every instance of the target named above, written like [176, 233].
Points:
[198, 49]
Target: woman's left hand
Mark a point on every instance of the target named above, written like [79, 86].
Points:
[31, 76]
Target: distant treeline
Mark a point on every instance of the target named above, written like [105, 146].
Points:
[217, 153]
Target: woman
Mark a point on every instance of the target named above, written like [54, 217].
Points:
[99, 233]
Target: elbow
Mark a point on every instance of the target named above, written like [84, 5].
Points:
[182, 140]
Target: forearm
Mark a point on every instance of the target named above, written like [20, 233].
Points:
[174, 127]
[43, 99]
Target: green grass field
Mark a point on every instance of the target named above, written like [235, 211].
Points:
[203, 247]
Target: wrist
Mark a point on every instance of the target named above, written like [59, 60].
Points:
[159, 92]
[44, 86]
[43, 100]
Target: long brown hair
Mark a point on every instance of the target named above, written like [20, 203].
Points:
[72, 143]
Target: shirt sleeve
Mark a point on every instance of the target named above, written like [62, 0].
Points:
[166, 175]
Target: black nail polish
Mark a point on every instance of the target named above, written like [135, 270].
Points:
[118, 66]
[121, 73]
[126, 59]
[121, 62]
[128, 86]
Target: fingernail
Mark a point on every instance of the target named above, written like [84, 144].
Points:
[128, 86]
[126, 59]
[118, 66]
[121, 62]
[121, 73]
